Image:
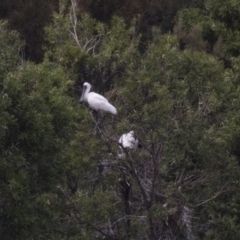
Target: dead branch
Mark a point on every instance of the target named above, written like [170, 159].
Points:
[89, 43]
[215, 196]
[73, 19]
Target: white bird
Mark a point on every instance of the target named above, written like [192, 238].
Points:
[96, 102]
[128, 141]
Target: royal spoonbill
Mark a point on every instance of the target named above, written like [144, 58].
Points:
[128, 141]
[96, 102]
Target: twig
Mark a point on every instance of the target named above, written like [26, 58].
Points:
[215, 196]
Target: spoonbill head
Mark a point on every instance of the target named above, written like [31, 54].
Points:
[96, 101]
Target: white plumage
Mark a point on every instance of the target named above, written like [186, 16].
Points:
[128, 141]
[96, 101]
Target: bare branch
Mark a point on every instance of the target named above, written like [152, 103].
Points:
[73, 19]
[215, 196]
[156, 161]
[89, 43]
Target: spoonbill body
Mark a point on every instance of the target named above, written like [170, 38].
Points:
[128, 141]
[96, 102]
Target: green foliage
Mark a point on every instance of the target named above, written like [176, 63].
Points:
[226, 11]
[90, 49]
[182, 105]
[174, 101]
[9, 43]
[29, 18]
[220, 27]
[62, 181]
[37, 123]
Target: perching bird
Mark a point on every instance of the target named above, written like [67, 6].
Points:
[96, 102]
[128, 141]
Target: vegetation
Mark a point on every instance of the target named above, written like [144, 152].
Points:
[171, 68]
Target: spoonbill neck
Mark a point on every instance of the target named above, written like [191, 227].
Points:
[85, 92]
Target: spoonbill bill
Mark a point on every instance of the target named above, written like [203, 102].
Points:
[96, 102]
[128, 141]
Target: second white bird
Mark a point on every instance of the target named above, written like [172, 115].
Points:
[129, 141]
